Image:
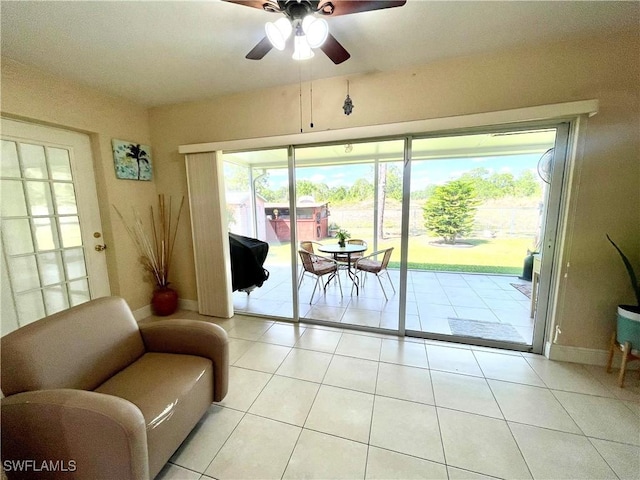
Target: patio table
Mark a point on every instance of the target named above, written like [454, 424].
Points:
[347, 250]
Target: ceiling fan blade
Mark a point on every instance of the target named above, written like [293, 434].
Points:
[336, 52]
[346, 7]
[254, 3]
[260, 50]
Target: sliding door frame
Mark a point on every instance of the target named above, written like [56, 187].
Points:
[293, 222]
[553, 225]
[546, 116]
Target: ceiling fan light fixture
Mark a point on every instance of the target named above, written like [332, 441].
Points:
[301, 50]
[316, 30]
[278, 32]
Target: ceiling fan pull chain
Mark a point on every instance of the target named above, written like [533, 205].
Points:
[300, 80]
[311, 93]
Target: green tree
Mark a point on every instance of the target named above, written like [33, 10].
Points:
[305, 188]
[498, 185]
[503, 184]
[526, 185]
[394, 183]
[322, 192]
[423, 194]
[337, 194]
[261, 179]
[279, 195]
[236, 179]
[383, 178]
[450, 211]
[479, 178]
[319, 191]
[231, 218]
[361, 189]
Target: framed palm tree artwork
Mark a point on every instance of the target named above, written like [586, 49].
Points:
[132, 160]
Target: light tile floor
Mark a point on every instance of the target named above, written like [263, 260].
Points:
[317, 402]
[432, 299]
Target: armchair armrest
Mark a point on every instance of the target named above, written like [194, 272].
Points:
[319, 258]
[73, 434]
[192, 337]
[368, 257]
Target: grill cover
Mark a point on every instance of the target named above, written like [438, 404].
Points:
[247, 257]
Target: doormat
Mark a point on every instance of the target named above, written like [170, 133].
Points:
[487, 330]
[523, 288]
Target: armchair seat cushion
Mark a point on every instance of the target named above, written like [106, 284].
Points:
[322, 267]
[172, 391]
[369, 265]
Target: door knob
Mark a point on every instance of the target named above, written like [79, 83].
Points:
[100, 248]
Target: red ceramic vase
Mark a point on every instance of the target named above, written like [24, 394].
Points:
[164, 301]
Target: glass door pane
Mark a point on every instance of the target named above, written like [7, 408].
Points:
[40, 230]
[389, 232]
[357, 189]
[257, 194]
[476, 209]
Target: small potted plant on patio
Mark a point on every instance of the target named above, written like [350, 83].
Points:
[342, 235]
[628, 326]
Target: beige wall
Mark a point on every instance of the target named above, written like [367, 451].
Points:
[606, 189]
[31, 95]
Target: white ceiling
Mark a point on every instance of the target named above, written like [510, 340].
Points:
[166, 52]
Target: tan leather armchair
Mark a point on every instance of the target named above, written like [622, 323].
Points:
[90, 394]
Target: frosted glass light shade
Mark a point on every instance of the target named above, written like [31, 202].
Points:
[278, 32]
[302, 50]
[316, 30]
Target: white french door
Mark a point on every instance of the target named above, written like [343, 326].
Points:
[51, 233]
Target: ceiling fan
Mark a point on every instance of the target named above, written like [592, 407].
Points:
[308, 30]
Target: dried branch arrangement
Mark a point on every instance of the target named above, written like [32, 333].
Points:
[155, 251]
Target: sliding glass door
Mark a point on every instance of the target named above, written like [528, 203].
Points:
[257, 195]
[357, 188]
[473, 211]
[478, 205]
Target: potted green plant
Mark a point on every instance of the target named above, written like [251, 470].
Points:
[628, 325]
[342, 235]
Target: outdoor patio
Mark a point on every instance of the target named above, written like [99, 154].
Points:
[481, 305]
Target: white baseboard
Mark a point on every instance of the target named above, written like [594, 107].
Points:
[141, 313]
[186, 304]
[183, 304]
[586, 356]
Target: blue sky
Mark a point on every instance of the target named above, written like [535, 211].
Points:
[423, 173]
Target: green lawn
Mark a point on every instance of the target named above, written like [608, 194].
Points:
[498, 255]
